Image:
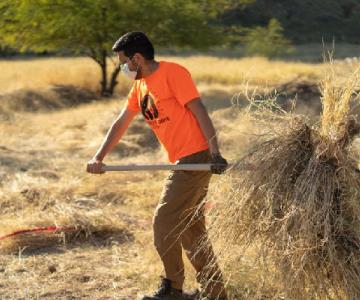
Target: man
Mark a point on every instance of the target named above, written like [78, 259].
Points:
[165, 94]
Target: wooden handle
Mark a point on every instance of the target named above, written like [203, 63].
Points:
[183, 167]
[149, 167]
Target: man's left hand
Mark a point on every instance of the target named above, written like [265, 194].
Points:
[218, 163]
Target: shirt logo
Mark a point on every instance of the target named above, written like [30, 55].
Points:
[148, 108]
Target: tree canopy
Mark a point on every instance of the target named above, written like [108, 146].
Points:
[91, 27]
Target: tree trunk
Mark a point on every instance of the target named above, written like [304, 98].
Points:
[103, 65]
[107, 88]
[113, 81]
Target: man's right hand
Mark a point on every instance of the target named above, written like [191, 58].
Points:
[94, 166]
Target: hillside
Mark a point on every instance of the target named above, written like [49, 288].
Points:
[304, 21]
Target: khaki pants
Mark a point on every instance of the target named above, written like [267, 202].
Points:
[179, 221]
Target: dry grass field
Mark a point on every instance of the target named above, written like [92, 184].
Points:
[45, 143]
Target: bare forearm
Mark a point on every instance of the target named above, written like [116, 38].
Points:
[114, 134]
[111, 139]
[209, 132]
[198, 109]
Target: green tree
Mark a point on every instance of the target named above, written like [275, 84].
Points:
[267, 41]
[304, 21]
[91, 27]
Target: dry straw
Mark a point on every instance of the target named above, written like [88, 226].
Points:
[74, 226]
[298, 211]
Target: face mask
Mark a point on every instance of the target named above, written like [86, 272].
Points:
[130, 74]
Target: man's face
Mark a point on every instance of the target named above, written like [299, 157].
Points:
[123, 59]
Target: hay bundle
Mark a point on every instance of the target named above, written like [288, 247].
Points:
[64, 225]
[300, 205]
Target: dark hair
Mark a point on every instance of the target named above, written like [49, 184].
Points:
[135, 42]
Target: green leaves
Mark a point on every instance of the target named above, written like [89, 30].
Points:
[95, 24]
[91, 27]
[267, 41]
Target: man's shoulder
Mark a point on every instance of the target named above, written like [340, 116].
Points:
[170, 65]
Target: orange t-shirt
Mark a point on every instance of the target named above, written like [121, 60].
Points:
[161, 97]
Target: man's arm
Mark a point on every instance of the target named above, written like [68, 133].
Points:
[115, 132]
[206, 125]
[112, 137]
[219, 164]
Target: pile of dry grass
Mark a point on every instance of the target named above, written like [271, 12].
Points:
[299, 208]
[73, 226]
[44, 99]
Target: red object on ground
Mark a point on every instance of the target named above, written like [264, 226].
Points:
[37, 229]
